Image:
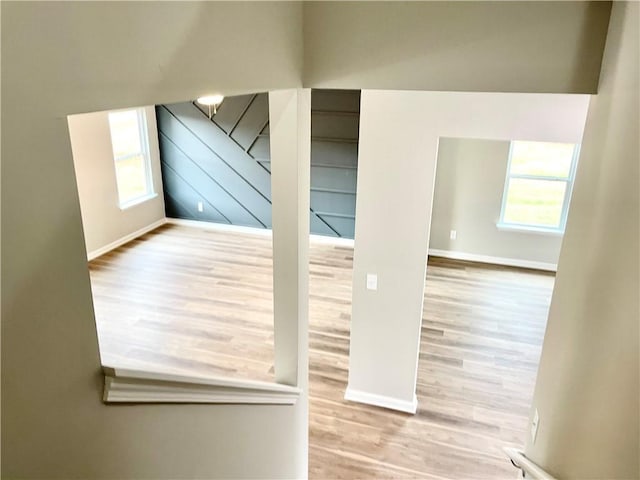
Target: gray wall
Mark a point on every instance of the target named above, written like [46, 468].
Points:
[553, 47]
[335, 119]
[468, 193]
[225, 162]
[587, 393]
[201, 162]
[103, 220]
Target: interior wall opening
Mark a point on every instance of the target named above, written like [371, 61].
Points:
[173, 292]
[449, 306]
[191, 283]
[176, 206]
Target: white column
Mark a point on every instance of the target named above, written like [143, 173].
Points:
[396, 171]
[290, 136]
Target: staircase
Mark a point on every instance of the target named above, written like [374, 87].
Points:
[218, 170]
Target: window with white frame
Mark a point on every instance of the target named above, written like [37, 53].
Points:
[538, 186]
[130, 144]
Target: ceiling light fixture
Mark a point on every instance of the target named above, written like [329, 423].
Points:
[212, 102]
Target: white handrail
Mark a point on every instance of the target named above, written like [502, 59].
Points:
[527, 466]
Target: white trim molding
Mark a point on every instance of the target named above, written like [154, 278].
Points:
[327, 240]
[510, 262]
[138, 201]
[381, 400]
[221, 227]
[126, 239]
[264, 232]
[123, 385]
[512, 227]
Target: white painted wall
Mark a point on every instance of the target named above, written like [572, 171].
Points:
[587, 393]
[479, 46]
[398, 145]
[103, 221]
[468, 195]
[63, 58]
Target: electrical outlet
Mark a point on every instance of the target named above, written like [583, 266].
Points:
[534, 426]
[200, 207]
[453, 235]
[372, 281]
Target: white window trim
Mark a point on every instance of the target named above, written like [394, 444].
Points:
[143, 133]
[137, 201]
[514, 227]
[123, 385]
[529, 228]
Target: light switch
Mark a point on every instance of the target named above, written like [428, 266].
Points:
[453, 235]
[372, 281]
[200, 207]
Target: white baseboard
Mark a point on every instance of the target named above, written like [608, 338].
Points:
[220, 227]
[347, 242]
[322, 239]
[381, 400]
[265, 232]
[127, 238]
[510, 262]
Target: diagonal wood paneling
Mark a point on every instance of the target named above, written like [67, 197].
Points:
[224, 162]
[195, 177]
[229, 152]
[208, 174]
[231, 111]
[252, 122]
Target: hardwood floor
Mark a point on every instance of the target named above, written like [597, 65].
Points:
[187, 300]
[197, 301]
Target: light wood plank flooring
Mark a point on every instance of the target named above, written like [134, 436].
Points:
[196, 301]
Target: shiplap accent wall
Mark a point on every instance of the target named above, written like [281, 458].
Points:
[225, 162]
[335, 122]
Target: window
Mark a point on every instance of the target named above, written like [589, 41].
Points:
[538, 185]
[131, 156]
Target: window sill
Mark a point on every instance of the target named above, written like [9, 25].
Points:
[526, 229]
[123, 385]
[137, 201]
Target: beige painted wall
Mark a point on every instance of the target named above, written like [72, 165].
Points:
[587, 393]
[399, 133]
[468, 197]
[455, 46]
[66, 58]
[103, 221]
